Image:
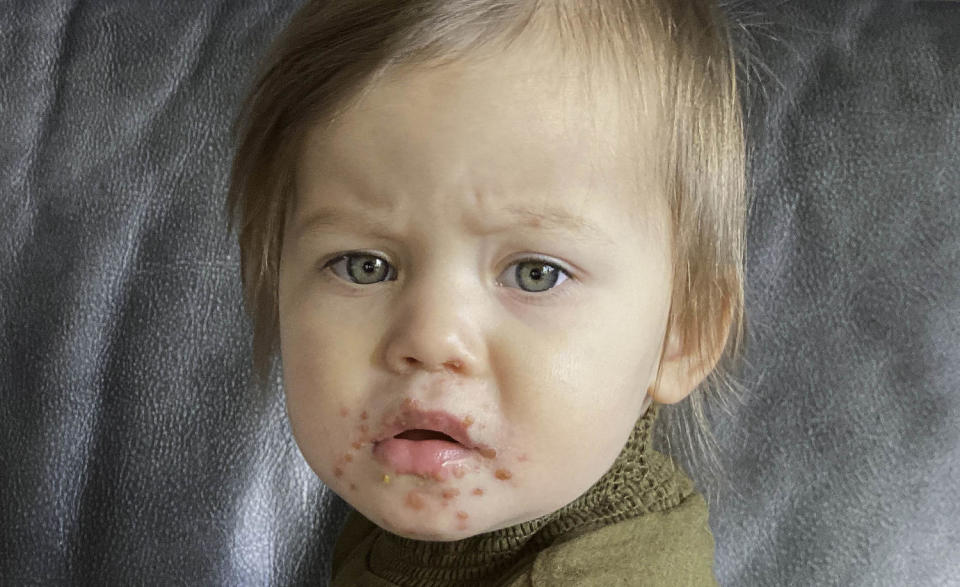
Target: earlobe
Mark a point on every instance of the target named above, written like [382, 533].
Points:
[683, 370]
[678, 378]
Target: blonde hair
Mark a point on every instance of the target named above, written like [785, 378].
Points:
[332, 52]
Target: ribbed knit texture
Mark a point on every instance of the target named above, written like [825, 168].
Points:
[640, 481]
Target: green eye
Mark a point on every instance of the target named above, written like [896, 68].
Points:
[536, 275]
[532, 275]
[363, 268]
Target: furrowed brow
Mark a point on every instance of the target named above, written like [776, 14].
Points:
[557, 219]
[552, 219]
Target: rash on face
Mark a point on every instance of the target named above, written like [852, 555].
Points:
[432, 493]
[414, 501]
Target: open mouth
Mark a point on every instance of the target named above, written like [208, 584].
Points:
[421, 434]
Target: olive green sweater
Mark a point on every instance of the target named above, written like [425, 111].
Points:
[642, 523]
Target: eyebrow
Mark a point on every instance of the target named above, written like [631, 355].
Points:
[549, 218]
[555, 218]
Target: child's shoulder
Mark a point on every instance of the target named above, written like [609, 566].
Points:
[670, 547]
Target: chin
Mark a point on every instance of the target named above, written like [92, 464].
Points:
[440, 537]
[429, 534]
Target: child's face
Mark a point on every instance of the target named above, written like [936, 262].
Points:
[428, 325]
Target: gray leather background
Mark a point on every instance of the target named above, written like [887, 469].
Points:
[133, 449]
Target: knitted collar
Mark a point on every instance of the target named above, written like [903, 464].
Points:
[641, 480]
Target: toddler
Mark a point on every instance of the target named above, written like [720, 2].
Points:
[489, 239]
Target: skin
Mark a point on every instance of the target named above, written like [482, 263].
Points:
[554, 384]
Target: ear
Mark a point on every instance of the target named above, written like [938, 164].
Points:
[682, 373]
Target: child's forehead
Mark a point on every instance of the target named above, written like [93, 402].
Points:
[364, 196]
[585, 86]
[531, 123]
[571, 87]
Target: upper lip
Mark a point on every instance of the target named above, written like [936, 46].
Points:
[439, 420]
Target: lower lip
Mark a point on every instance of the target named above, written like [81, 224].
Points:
[419, 457]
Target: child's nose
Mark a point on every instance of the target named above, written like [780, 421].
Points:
[436, 326]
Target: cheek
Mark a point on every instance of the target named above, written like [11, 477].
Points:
[623, 341]
[321, 365]
[602, 361]
[322, 341]
[589, 384]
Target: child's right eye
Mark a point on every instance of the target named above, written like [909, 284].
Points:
[362, 268]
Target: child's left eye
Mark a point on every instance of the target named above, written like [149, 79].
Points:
[540, 274]
[532, 274]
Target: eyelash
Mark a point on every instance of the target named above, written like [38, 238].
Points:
[553, 292]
